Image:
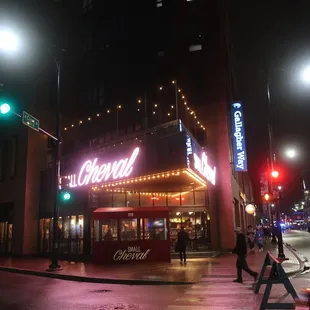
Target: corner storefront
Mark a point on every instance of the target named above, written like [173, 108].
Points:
[120, 189]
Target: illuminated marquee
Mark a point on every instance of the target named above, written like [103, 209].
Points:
[201, 165]
[92, 172]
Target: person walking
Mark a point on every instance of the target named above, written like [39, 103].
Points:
[241, 251]
[260, 238]
[182, 242]
[251, 238]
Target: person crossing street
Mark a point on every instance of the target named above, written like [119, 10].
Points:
[241, 251]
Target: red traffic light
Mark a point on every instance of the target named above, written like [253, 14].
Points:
[275, 174]
[267, 197]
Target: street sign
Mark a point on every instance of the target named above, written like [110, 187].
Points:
[30, 121]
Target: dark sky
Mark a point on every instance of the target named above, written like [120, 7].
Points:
[274, 35]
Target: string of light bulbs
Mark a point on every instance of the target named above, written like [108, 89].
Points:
[88, 119]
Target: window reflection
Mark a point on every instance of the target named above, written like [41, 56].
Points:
[132, 199]
[118, 200]
[128, 229]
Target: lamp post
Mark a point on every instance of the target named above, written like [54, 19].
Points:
[54, 266]
[9, 42]
[281, 254]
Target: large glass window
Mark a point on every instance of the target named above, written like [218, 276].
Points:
[132, 199]
[174, 199]
[155, 229]
[80, 233]
[160, 200]
[200, 198]
[118, 200]
[106, 200]
[128, 229]
[187, 199]
[106, 230]
[146, 200]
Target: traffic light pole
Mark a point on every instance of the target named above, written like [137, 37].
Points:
[55, 265]
[281, 254]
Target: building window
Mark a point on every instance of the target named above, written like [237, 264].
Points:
[159, 3]
[155, 229]
[195, 47]
[87, 5]
[129, 229]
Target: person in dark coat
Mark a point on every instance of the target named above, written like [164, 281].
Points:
[182, 242]
[241, 251]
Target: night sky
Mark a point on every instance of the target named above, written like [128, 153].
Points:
[274, 36]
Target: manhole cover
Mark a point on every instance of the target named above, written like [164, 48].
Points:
[101, 291]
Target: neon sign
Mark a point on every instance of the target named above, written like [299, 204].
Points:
[201, 165]
[91, 172]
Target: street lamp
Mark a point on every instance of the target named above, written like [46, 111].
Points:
[290, 153]
[8, 41]
[5, 108]
[306, 75]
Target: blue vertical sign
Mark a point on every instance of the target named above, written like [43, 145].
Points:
[240, 157]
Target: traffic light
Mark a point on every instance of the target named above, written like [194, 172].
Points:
[5, 108]
[267, 197]
[275, 174]
[65, 196]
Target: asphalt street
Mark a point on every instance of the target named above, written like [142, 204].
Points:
[299, 240]
[31, 292]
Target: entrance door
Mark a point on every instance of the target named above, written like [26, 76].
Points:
[6, 235]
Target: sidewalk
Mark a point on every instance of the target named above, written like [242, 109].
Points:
[142, 274]
[216, 289]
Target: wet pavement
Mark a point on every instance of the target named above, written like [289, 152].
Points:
[19, 292]
[213, 287]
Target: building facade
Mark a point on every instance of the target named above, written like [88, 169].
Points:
[117, 90]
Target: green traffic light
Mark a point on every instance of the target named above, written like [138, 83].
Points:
[65, 196]
[5, 108]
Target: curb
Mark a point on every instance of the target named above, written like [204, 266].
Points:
[300, 259]
[91, 279]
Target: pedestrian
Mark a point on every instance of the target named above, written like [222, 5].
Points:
[251, 239]
[181, 244]
[241, 251]
[260, 238]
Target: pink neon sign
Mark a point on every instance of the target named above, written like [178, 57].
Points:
[91, 172]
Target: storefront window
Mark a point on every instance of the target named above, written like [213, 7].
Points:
[132, 199]
[73, 226]
[80, 233]
[200, 198]
[105, 230]
[118, 200]
[128, 229]
[173, 199]
[155, 229]
[175, 224]
[80, 227]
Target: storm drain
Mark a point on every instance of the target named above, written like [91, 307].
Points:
[101, 291]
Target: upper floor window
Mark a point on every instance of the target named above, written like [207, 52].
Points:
[87, 5]
[195, 47]
[159, 3]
